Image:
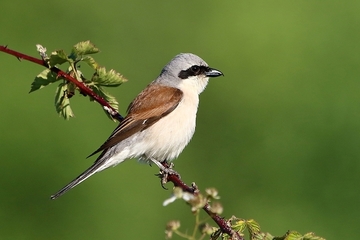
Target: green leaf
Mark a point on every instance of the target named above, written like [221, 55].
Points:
[311, 236]
[62, 102]
[107, 78]
[265, 236]
[224, 237]
[45, 78]
[239, 225]
[83, 48]
[253, 226]
[57, 57]
[109, 98]
[91, 62]
[293, 235]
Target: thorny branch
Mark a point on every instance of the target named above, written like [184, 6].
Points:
[83, 88]
[175, 179]
[223, 224]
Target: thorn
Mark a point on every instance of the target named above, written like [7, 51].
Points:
[18, 58]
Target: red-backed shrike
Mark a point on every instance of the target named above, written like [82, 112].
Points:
[160, 120]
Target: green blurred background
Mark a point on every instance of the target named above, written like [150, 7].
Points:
[278, 136]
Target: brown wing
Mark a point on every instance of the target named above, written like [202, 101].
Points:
[152, 104]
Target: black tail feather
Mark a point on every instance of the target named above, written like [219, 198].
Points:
[82, 177]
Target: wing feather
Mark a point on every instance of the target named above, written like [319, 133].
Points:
[152, 104]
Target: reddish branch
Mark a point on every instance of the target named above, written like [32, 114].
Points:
[83, 88]
[221, 222]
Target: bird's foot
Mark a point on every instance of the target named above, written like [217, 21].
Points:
[165, 171]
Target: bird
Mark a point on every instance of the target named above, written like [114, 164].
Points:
[160, 121]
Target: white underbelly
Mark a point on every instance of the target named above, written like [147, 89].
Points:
[169, 136]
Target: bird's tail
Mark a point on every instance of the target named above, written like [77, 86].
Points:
[96, 167]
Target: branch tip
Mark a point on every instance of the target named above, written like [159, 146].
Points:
[223, 224]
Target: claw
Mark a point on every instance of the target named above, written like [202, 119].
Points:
[165, 171]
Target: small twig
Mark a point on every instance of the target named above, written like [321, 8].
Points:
[220, 221]
[83, 88]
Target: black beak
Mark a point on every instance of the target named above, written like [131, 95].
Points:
[212, 72]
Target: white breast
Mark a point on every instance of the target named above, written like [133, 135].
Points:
[171, 134]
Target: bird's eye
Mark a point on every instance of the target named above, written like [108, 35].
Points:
[195, 69]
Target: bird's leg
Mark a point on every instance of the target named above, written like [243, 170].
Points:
[165, 171]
